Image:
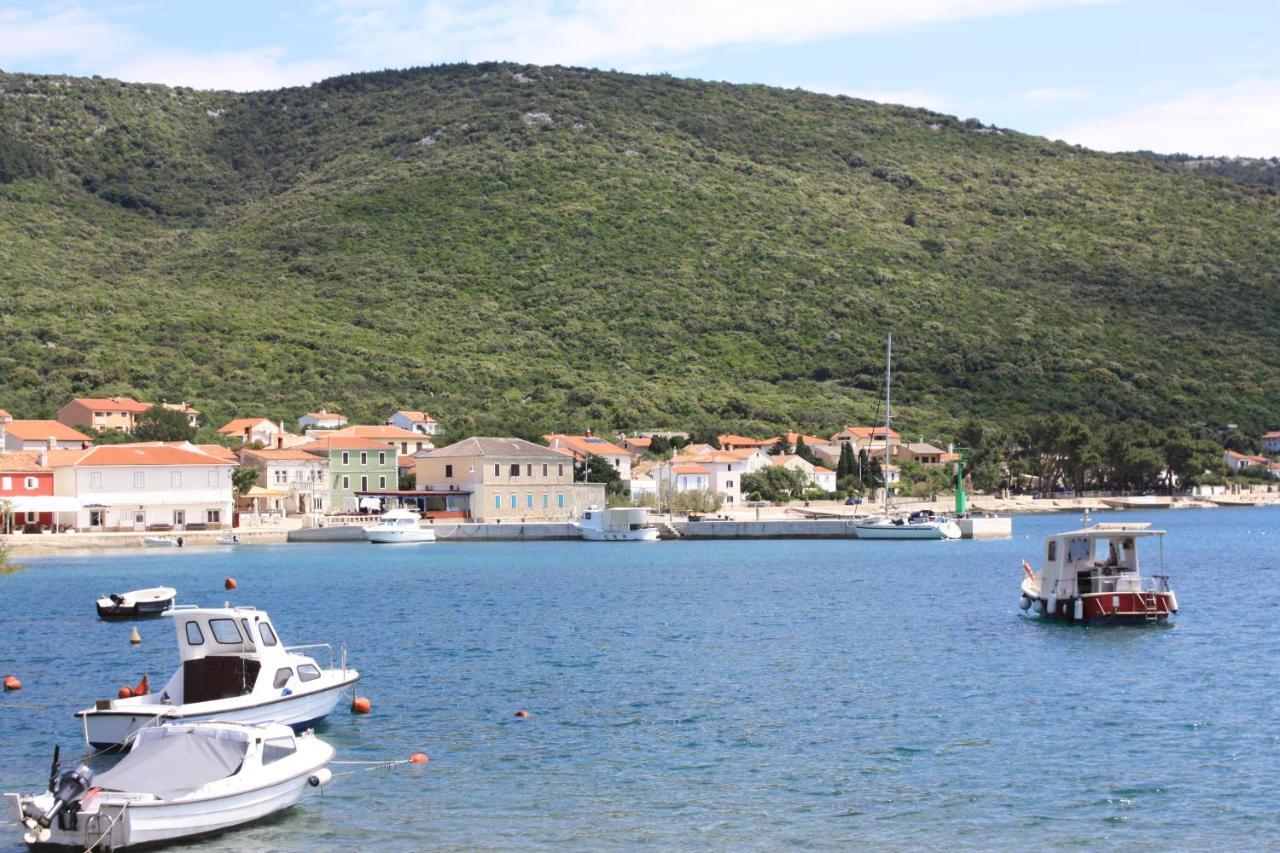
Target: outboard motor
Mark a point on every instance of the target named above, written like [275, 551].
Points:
[67, 787]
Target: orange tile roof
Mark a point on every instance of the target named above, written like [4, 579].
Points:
[689, 469]
[217, 451]
[237, 426]
[132, 454]
[382, 431]
[326, 416]
[793, 437]
[587, 445]
[342, 442]
[1273, 434]
[119, 404]
[40, 430]
[4, 414]
[406, 462]
[423, 417]
[745, 441]
[21, 462]
[818, 469]
[288, 454]
[639, 441]
[868, 433]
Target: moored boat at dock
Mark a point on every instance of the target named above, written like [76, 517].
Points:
[618, 524]
[1081, 583]
[399, 526]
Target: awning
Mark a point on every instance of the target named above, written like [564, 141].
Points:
[259, 492]
[43, 503]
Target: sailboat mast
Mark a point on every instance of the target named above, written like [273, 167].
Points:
[888, 417]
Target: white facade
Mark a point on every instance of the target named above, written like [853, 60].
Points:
[302, 477]
[419, 422]
[262, 431]
[136, 497]
[825, 479]
[321, 420]
[642, 486]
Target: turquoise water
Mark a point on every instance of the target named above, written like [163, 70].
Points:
[721, 694]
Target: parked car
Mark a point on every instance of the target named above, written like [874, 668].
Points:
[853, 501]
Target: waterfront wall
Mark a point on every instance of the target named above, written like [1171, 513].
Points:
[823, 528]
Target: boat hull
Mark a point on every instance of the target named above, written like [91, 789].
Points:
[908, 531]
[1110, 607]
[399, 537]
[142, 610]
[110, 727]
[646, 534]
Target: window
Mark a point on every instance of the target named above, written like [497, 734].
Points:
[95, 479]
[32, 517]
[448, 471]
[364, 483]
[225, 631]
[277, 748]
[1053, 551]
[213, 516]
[346, 457]
[282, 476]
[560, 499]
[528, 500]
[497, 470]
[299, 475]
[364, 457]
[6, 483]
[515, 470]
[95, 518]
[308, 672]
[282, 678]
[528, 470]
[513, 500]
[404, 448]
[728, 484]
[244, 623]
[194, 636]
[346, 481]
[382, 481]
[544, 469]
[546, 500]
[268, 636]
[140, 518]
[212, 479]
[175, 479]
[560, 472]
[382, 457]
[497, 501]
[30, 483]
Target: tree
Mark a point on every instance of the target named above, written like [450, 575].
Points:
[160, 424]
[802, 450]
[697, 500]
[775, 483]
[408, 481]
[111, 435]
[597, 469]
[781, 447]
[846, 465]
[244, 478]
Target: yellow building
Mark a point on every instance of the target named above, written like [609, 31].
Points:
[508, 479]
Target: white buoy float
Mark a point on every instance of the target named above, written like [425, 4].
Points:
[1078, 610]
[1024, 603]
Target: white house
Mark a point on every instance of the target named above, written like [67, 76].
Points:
[686, 476]
[419, 422]
[321, 420]
[824, 478]
[303, 477]
[145, 486]
[1271, 441]
[1239, 461]
[253, 430]
[405, 442]
[892, 477]
[39, 435]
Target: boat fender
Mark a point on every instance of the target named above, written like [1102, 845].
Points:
[144, 686]
[1173, 603]
[1078, 610]
[1052, 606]
[1039, 605]
[320, 777]
[1024, 603]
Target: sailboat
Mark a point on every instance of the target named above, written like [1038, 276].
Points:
[890, 526]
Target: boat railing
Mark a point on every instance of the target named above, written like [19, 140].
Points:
[1154, 583]
[327, 646]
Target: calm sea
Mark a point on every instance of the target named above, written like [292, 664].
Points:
[721, 694]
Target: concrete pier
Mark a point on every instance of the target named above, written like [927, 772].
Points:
[985, 528]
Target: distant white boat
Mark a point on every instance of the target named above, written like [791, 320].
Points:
[234, 667]
[619, 524]
[159, 542]
[231, 539]
[137, 604]
[399, 525]
[176, 782]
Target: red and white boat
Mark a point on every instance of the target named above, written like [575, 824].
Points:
[1093, 575]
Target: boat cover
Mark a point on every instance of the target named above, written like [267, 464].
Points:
[175, 761]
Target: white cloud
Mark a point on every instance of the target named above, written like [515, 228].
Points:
[54, 34]
[1241, 119]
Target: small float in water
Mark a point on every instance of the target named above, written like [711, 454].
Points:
[138, 604]
[176, 782]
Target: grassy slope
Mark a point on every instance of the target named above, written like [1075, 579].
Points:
[661, 251]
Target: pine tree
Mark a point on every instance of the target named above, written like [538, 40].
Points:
[845, 466]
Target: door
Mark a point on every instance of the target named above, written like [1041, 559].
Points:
[179, 518]
[139, 520]
[95, 519]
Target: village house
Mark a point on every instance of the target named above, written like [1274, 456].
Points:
[102, 413]
[149, 486]
[919, 452]
[582, 446]
[355, 465]
[1240, 461]
[301, 476]
[27, 501]
[321, 420]
[815, 476]
[403, 441]
[1271, 441]
[718, 470]
[263, 431]
[508, 479]
[729, 441]
[190, 412]
[636, 445]
[419, 422]
[892, 477]
[865, 438]
[685, 477]
[39, 435]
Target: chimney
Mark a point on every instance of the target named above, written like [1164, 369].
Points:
[588, 432]
[279, 442]
[246, 435]
[51, 442]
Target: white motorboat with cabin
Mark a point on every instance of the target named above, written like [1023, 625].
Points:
[399, 525]
[234, 667]
[176, 782]
[618, 524]
[888, 525]
[136, 604]
[1093, 575]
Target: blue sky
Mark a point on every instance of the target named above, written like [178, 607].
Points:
[1111, 74]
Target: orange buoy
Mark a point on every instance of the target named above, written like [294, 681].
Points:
[124, 692]
[522, 714]
[144, 686]
[361, 705]
[12, 683]
[134, 636]
[230, 583]
[419, 758]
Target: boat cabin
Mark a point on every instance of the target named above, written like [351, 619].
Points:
[616, 519]
[223, 652]
[1097, 559]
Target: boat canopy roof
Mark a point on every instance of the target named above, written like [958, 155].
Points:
[1117, 530]
[395, 514]
[172, 761]
[221, 631]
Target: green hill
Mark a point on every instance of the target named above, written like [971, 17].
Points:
[518, 249]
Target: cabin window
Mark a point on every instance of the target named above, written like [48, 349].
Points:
[528, 470]
[364, 483]
[404, 448]
[308, 672]
[1052, 554]
[268, 636]
[382, 457]
[560, 471]
[282, 677]
[225, 632]
[497, 470]
[364, 457]
[244, 623]
[382, 481]
[277, 748]
[195, 636]
[346, 457]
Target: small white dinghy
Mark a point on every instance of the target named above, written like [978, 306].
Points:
[233, 667]
[177, 782]
[159, 542]
[137, 604]
[399, 525]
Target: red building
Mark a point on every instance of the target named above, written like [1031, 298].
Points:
[23, 481]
